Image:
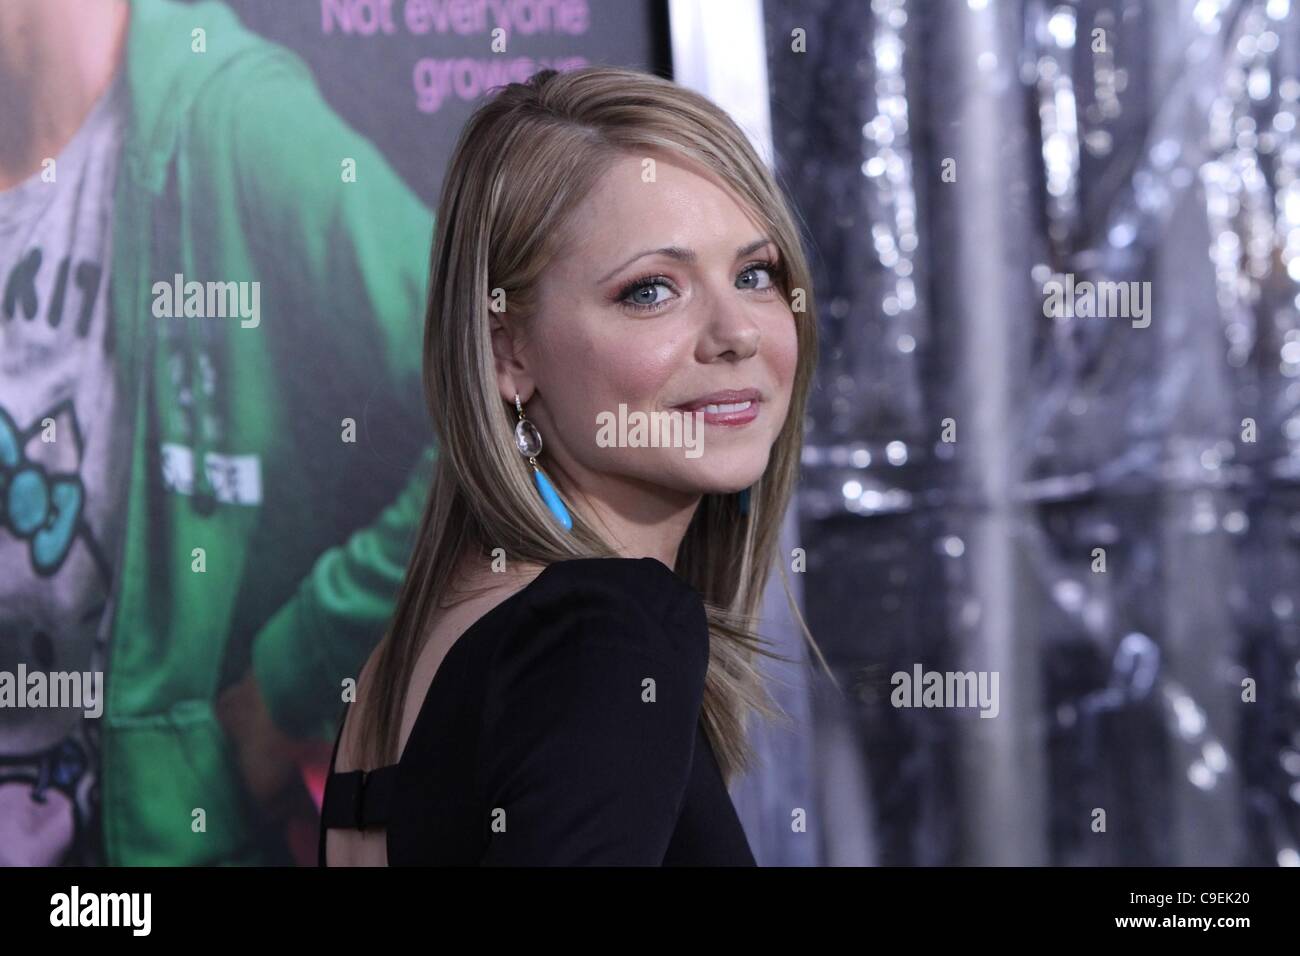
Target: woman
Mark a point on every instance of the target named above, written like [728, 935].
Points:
[609, 248]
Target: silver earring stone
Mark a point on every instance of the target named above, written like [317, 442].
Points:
[527, 438]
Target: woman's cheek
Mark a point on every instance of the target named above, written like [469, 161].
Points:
[640, 372]
[786, 359]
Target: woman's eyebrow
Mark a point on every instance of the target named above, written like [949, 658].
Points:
[681, 255]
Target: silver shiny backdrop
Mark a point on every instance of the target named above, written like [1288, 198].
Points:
[1165, 154]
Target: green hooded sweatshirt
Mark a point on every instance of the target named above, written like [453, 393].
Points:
[286, 552]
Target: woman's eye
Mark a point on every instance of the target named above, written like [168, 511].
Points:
[645, 294]
[754, 271]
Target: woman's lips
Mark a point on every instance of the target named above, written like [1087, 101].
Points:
[731, 414]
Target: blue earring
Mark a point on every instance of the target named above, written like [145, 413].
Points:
[744, 502]
[529, 442]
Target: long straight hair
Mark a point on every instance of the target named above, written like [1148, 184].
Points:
[522, 164]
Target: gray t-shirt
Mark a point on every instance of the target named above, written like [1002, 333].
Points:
[63, 461]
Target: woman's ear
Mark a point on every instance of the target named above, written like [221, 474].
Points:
[512, 371]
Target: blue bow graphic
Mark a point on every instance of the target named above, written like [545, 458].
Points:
[40, 509]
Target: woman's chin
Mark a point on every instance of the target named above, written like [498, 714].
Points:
[720, 475]
[728, 484]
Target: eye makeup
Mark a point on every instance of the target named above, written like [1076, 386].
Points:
[772, 267]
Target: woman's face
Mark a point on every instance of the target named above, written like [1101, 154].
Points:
[621, 322]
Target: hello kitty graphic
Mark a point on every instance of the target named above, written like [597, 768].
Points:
[54, 590]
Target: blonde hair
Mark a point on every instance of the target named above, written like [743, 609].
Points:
[522, 164]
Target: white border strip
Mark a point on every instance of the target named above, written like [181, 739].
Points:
[719, 50]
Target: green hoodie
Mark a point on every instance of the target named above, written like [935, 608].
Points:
[232, 171]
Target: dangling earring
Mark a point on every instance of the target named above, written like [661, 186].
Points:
[529, 442]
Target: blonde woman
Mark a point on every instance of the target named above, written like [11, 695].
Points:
[572, 661]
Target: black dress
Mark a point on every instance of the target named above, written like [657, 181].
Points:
[562, 728]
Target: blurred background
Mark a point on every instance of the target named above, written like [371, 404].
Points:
[1114, 530]
[1101, 509]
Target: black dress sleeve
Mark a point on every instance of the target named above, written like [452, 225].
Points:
[590, 717]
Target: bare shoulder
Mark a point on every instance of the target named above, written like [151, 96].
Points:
[350, 741]
[475, 589]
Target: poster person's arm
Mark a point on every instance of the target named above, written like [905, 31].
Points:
[360, 249]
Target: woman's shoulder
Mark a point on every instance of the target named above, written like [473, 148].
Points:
[590, 716]
[637, 604]
[645, 581]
